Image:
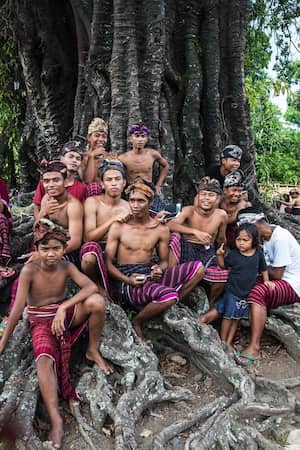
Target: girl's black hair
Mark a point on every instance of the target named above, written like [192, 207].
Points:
[251, 230]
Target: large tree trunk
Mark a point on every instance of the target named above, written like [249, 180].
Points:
[176, 65]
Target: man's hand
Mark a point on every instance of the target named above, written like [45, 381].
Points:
[134, 282]
[1, 347]
[220, 251]
[1, 206]
[156, 272]
[58, 324]
[33, 256]
[270, 284]
[202, 237]
[122, 218]
[50, 206]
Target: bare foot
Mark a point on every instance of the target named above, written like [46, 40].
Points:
[201, 319]
[138, 329]
[55, 436]
[95, 356]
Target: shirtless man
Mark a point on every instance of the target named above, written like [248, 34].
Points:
[71, 155]
[61, 207]
[139, 161]
[198, 228]
[55, 322]
[232, 203]
[155, 287]
[97, 138]
[100, 212]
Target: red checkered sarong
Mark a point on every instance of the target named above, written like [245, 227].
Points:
[56, 348]
[282, 294]
[93, 189]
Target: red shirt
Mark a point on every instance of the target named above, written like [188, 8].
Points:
[77, 189]
[4, 191]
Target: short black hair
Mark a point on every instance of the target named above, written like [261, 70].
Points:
[251, 230]
[45, 240]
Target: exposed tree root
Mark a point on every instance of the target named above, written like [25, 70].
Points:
[239, 419]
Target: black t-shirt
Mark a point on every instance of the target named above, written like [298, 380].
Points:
[244, 270]
[213, 171]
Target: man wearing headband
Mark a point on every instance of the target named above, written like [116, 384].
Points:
[230, 159]
[282, 253]
[196, 231]
[232, 202]
[71, 155]
[56, 322]
[61, 207]
[129, 258]
[100, 212]
[97, 138]
[139, 161]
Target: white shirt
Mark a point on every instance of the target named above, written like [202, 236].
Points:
[283, 250]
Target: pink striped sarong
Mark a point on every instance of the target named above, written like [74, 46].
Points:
[185, 251]
[56, 348]
[166, 289]
[93, 248]
[282, 294]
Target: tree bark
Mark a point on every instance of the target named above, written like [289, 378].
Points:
[176, 65]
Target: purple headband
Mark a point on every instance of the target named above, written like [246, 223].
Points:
[138, 128]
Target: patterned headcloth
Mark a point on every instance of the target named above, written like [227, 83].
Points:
[232, 151]
[138, 128]
[72, 146]
[112, 164]
[142, 186]
[234, 179]
[208, 184]
[46, 228]
[249, 215]
[98, 124]
[53, 166]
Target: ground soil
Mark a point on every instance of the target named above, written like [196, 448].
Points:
[177, 371]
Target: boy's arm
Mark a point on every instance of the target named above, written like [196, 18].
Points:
[163, 248]
[178, 226]
[88, 288]
[75, 225]
[164, 169]
[21, 298]
[220, 256]
[221, 237]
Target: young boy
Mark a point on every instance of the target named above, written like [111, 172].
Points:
[43, 284]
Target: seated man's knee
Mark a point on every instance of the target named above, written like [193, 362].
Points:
[96, 303]
[88, 261]
[45, 363]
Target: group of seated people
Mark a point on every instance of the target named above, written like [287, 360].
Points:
[289, 203]
[140, 258]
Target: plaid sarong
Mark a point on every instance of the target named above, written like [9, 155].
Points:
[282, 294]
[166, 289]
[95, 249]
[56, 348]
[93, 189]
[185, 251]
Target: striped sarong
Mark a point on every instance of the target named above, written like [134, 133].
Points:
[282, 294]
[5, 229]
[166, 289]
[93, 248]
[54, 347]
[185, 251]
